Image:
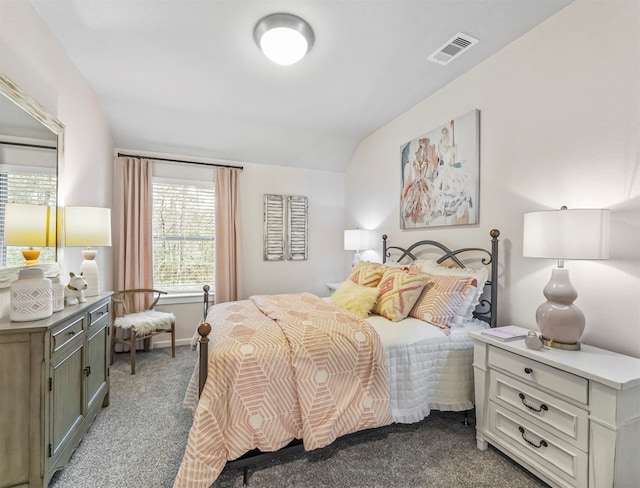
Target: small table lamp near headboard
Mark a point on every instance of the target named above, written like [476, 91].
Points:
[564, 234]
[359, 240]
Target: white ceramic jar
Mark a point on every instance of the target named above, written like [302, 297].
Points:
[58, 293]
[31, 296]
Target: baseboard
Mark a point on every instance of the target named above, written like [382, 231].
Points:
[179, 342]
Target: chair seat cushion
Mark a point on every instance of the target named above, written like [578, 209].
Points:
[145, 322]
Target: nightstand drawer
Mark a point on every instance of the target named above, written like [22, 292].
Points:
[565, 420]
[538, 374]
[545, 451]
[62, 335]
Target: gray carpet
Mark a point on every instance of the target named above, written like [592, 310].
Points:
[138, 442]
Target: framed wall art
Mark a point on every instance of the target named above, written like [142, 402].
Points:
[285, 227]
[441, 175]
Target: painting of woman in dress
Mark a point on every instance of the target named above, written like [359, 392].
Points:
[440, 175]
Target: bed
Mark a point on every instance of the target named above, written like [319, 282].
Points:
[293, 371]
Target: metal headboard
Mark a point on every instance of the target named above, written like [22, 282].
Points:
[489, 308]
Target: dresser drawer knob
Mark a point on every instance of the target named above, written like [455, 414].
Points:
[528, 370]
[542, 405]
[543, 443]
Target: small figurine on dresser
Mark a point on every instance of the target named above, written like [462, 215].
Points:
[74, 291]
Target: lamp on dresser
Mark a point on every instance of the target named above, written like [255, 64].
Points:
[88, 227]
[565, 234]
[358, 240]
[28, 225]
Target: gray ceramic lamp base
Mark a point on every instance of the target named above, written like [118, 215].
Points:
[560, 345]
[560, 321]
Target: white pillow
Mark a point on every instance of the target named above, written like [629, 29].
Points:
[472, 300]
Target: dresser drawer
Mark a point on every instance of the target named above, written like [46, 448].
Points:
[65, 333]
[534, 373]
[567, 421]
[98, 313]
[546, 452]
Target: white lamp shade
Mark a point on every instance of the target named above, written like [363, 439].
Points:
[359, 240]
[567, 234]
[283, 38]
[26, 225]
[87, 226]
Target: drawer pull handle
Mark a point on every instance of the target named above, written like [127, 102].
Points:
[72, 332]
[542, 405]
[528, 370]
[543, 443]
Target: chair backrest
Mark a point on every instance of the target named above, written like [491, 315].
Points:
[137, 299]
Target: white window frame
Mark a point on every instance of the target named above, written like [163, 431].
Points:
[179, 295]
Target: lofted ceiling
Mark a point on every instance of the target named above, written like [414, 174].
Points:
[185, 77]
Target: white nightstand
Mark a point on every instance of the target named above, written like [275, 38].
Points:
[570, 417]
[332, 287]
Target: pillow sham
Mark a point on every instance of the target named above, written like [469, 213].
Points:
[357, 299]
[367, 274]
[431, 267]
[398, 291]
[440, 302]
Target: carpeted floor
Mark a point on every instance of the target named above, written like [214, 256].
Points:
[138, 442]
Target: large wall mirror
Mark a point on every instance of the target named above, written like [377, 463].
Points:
[31, 155]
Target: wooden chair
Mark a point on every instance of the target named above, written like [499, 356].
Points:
[142, 324]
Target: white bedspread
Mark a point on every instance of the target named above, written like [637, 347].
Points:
[427, 369]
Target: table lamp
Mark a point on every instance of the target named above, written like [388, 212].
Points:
[88, 227]
[564, 234]
[358, 240]
[28, 225]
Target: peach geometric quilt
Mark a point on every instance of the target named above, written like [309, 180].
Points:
[283, 367]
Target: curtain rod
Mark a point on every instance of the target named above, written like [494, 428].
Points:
[241, 168]
[25, 144]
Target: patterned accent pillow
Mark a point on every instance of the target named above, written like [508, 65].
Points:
[481, 274]
[367, 274]
[398, 291]
[440, 302]
[357, 299]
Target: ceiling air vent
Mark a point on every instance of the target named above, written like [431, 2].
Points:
[452, 48]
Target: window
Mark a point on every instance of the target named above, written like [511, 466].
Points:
[183, 234]
[21, 185]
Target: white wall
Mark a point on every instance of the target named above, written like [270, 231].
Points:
[31, 57]
[560, 111]
[325, 191]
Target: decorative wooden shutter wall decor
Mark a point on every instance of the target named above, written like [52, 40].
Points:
[297, 226]
[274, 235]
[285, 228]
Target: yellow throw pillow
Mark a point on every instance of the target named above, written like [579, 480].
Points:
[357, 299]
[440, 302]
[398, 291]
[367, 274]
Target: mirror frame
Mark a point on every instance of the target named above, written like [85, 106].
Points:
[12, 92]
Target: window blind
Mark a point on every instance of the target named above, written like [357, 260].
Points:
[183, 235]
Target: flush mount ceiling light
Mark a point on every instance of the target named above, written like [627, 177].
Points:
[284, 38]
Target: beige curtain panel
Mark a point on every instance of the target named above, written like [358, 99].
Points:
[227, 269]
[134, 242]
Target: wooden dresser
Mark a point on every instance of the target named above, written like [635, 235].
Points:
[570, 417]
[54, 379]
